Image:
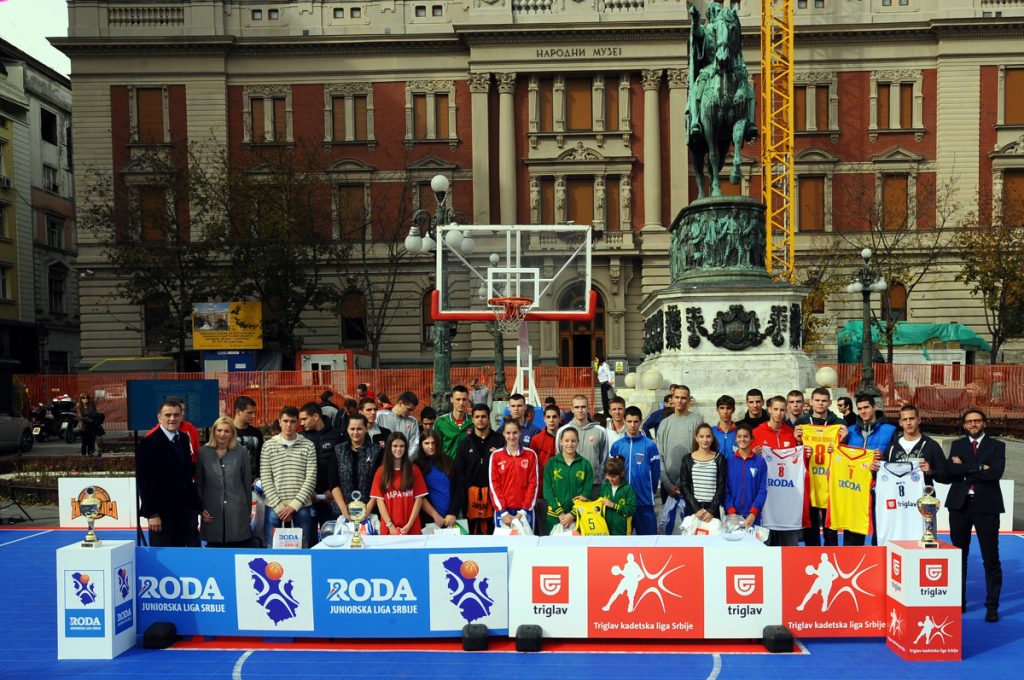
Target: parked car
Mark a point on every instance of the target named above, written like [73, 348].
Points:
[15, 433]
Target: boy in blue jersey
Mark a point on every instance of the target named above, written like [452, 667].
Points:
[725, 431]
[643, 470]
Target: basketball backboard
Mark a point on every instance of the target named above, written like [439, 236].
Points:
[478, 263]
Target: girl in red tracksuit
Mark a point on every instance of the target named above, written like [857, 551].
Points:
[513, 478]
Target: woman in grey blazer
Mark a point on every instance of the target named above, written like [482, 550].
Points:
[224, 479]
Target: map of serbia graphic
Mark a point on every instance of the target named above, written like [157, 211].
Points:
[272, 592]
[468, 593]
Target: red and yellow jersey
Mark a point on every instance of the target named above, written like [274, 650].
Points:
[849, 490]
[817, 438]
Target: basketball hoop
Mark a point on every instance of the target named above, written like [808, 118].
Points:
[510, 312]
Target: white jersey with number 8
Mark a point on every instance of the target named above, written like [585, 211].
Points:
[897, 488]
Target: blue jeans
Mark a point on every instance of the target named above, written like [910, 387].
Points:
[303, 519]
[644, 521]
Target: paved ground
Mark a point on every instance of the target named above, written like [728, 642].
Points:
[47, 515]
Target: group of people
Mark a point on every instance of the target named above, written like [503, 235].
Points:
[795, 468]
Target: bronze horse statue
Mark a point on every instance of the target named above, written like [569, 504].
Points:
[724, 105]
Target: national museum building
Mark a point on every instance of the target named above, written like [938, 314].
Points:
[908, 115]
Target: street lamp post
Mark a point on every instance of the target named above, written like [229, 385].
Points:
[426, 223]
[867, 281]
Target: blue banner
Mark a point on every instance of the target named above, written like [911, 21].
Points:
[202, 401]
[370, 593]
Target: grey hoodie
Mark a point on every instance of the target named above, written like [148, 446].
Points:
[675, 440]
[593, 446]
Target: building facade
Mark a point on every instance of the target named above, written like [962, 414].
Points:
[908, 118]
[38, 283]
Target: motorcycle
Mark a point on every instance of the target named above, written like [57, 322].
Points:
[63, 409]
[44, 425]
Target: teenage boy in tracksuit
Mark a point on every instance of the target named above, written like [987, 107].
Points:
[643, 470]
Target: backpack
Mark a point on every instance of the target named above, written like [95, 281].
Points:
[590, 517]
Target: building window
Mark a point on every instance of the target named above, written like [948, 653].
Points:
[819, 4]
[150, 115]
[48, 126]
[801, 4]
[5, 282]
[352, 212]
[153, 213]
[430, 111]
[811, 196]
[611, 103]
[353, 319]
[546, 105]
[58, 277]
[57, 362]
[613, 209]
[897, 100]
[156, 320]
[895, 195]
[273, 14]
[50, 182]
[426, 317]
[421, 10]
[55, 231]
[257, 15]
[3, 220]
[268, 113]
[339, 13]
[1012, 209]
[1013, 96]
[894, 302]
[436, 11]
[349, 109]
[886, 3]
[579, 200]
[356, 12]
[579, 104]
[807, 117]
[547, 200]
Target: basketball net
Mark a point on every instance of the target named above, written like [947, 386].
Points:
[510, 316]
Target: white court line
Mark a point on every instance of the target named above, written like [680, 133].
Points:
[717, 667]
[236, 672]
[800, 646]
[25, 538]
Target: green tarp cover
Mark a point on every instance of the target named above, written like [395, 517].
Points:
[907, 334]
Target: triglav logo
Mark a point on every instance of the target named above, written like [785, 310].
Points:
[744, 586]
[632, 576]
[468, 593]
[85, 589]
[896, 567]
[551, 585]
[122, 582]
[274, 594]
[931, 629]
[933, 573]
[825, 576]
[108, 508]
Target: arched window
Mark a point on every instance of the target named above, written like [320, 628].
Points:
[580, 341]
[894, 302]
[353, 319]
[427, 338]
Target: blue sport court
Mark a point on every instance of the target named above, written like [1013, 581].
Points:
[27, 596]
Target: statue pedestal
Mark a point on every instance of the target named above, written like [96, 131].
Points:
[726, 337]
[724, 326]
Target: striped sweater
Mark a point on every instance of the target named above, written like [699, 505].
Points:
[288, 473]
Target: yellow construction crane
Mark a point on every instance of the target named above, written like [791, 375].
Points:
[777, 178]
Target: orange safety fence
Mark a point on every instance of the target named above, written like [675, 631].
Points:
[272, 390]
[944, 390]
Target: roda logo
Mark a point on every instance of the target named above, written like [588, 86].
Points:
[373, 590]
[174, 588]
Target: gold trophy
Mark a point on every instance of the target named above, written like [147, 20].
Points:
[356, 510]
[928, 505]
[90, 509]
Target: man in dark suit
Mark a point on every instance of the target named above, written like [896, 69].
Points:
[163, 473]
[975, 466]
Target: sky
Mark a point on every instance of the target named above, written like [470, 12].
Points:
[27, 24]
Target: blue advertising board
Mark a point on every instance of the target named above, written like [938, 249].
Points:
[202, 401]
[324, 593]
